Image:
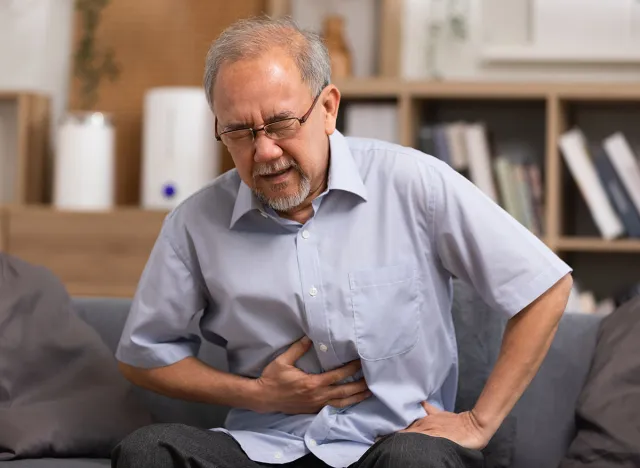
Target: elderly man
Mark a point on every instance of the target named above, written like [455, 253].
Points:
[325, 264]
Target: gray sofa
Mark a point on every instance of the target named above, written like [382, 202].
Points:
[535, 435]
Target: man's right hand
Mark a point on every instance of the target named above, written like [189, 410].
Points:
[285, 388]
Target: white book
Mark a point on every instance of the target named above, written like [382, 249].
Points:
[458, 148]
[378, 121]
[480, 159]
[506, 182]
[574, 149]
[624, 162]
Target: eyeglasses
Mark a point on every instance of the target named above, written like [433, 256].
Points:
[278, 130]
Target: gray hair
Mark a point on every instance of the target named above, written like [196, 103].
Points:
[248, 38]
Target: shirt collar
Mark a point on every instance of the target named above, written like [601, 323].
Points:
[343, 175]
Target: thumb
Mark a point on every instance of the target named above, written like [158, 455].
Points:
[430, 409]
[296, 351]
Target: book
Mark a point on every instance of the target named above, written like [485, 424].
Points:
[574, 149]
[617, 193]
[426, 140]
[537, 193]
[509, 198]
[457, 145]
[479, 156]
[526, 199]
[441, 144]
[624, 162]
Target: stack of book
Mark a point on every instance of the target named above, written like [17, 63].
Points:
[514, 183]
[584, 301]
[608, 177]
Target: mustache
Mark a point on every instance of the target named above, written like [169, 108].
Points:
[274, 167]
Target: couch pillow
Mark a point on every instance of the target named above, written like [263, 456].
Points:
[608, 410]
[479, 333]
[61, 394]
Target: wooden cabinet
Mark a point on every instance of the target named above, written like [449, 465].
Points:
[93, 254]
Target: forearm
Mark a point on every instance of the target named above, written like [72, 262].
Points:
[526, 340]
[191, 379]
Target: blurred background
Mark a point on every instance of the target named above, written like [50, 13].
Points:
[104, 126]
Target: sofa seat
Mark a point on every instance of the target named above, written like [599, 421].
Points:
[58, 463]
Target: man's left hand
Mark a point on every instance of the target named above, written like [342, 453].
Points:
[461, 428]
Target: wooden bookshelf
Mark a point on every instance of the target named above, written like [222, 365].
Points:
[25, 118]
[104, 253]
[600, 107]
[595, 244]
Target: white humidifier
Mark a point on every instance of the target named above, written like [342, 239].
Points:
[180, 152]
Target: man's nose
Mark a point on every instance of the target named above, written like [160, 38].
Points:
[266, 149]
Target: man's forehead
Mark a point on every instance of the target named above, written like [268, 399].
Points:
[273, 67]
[250, 89]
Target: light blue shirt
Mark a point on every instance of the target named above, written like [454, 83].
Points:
[367, 277]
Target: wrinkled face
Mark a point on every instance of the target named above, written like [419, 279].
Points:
[290, 167]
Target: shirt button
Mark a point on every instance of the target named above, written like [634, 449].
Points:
[313, 291]
[312, 442]
[277, 455]
[305, 234]
[323, 347]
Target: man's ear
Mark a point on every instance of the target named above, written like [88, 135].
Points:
[330, 103]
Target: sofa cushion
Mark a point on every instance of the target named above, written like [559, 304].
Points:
[61, 393]
[540, 428]
[108, 315]
[609, 406]
[545, 413]
[479, 333]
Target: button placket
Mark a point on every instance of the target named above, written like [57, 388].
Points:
[314, 302]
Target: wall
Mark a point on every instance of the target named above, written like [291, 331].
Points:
[360, 22]
[35, 48]
[461, 60]
[157, 43]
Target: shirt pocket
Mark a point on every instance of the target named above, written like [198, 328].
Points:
[385, 303]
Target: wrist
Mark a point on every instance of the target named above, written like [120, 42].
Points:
[486, 424]
[253, 396]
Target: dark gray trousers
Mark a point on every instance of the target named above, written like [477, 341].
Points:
[180, 446]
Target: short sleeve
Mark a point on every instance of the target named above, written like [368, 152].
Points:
[157, 331]
[481, 244]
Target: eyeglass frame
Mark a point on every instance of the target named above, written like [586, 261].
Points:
[255, 131]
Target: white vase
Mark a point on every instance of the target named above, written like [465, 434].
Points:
[85, 163]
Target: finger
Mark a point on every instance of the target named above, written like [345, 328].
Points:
[334, 376]
[296, 351]
[352, 400]
[347, 390]
[430, 409]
